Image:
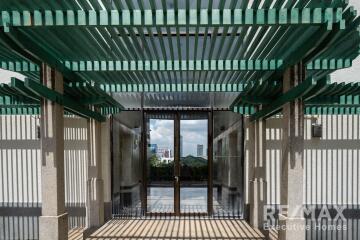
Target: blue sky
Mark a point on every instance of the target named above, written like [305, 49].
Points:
[194, 132]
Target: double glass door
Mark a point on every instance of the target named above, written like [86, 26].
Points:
[177, 163]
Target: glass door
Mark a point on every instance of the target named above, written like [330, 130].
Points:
[160, 166]
[177, 176]
[193, 165]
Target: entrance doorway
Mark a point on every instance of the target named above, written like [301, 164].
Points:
[178, 163]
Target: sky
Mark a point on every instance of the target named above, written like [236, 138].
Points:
[5, 76]
[194, 132]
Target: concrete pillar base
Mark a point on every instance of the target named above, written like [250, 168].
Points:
[257, 204]
[107, 211]
[53, 227]
[88, 231]
[95, 204]
[291, 228]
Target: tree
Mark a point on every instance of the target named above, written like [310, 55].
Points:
[154, 161]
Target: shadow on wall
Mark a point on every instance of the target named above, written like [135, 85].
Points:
[331, 169]
[20, 169]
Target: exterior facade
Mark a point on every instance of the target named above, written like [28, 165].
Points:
[163, 112]
[330, 172]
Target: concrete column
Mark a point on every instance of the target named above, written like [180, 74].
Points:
[250, 161]
[53, 222]
[95, 191]
[106, 168]
[258, 186]
[292, 165]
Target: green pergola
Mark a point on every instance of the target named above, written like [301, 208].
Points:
[108, 50]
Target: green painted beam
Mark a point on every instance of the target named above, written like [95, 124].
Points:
[174, 18]
[244, 109]
[329, 64]
[92, 100]
[19, 86]
[19, 66]
[175, 65]
[178, 65]
[19, 41]
[19, 110]
[256, 100]
[294, 93]
[68, 103]
[332, 110]
[172, 87]
[96, 94]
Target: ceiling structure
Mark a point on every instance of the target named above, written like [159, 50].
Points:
[221, 54]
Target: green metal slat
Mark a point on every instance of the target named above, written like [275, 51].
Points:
[141, 53]
[189, 87]
[153, 44]
[135, 17]
[165, 66]
[19, 86]
[59, 98]
[296, 92]
[37, 53]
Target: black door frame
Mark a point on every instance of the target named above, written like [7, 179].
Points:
[176, 118]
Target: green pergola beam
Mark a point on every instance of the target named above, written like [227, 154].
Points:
[175, 65]
[97, 95]
[294, 93]
[19, 66]
[174, 18]
[68, 103]
[19, 110]
[178, 65]
[245, 109]
[92, 100]
[19, 42]
[329, 64]
[333, 110]
[201, 87]
[19, 86]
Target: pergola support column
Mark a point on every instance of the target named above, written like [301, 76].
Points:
[258, 183]
[292, 221]
[53, 222]
[95, 184]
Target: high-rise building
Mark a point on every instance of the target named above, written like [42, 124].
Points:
[181, 146]
[200, 150]
[163, 152]
[153, 148]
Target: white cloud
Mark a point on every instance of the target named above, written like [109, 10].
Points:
[193, 132]
[162, 133]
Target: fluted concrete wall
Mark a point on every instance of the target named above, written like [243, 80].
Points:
[331, 170]
[332, 163]
[20, 161]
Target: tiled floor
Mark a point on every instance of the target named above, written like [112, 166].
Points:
[75, 234]
[164, 229]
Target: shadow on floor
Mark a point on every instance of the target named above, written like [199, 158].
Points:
[176, 228]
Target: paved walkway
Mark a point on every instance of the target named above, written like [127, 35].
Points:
[164, 229]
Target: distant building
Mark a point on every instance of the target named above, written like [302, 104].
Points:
[200, 150]
[164, 152]
[153, 148]
[181, 146]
